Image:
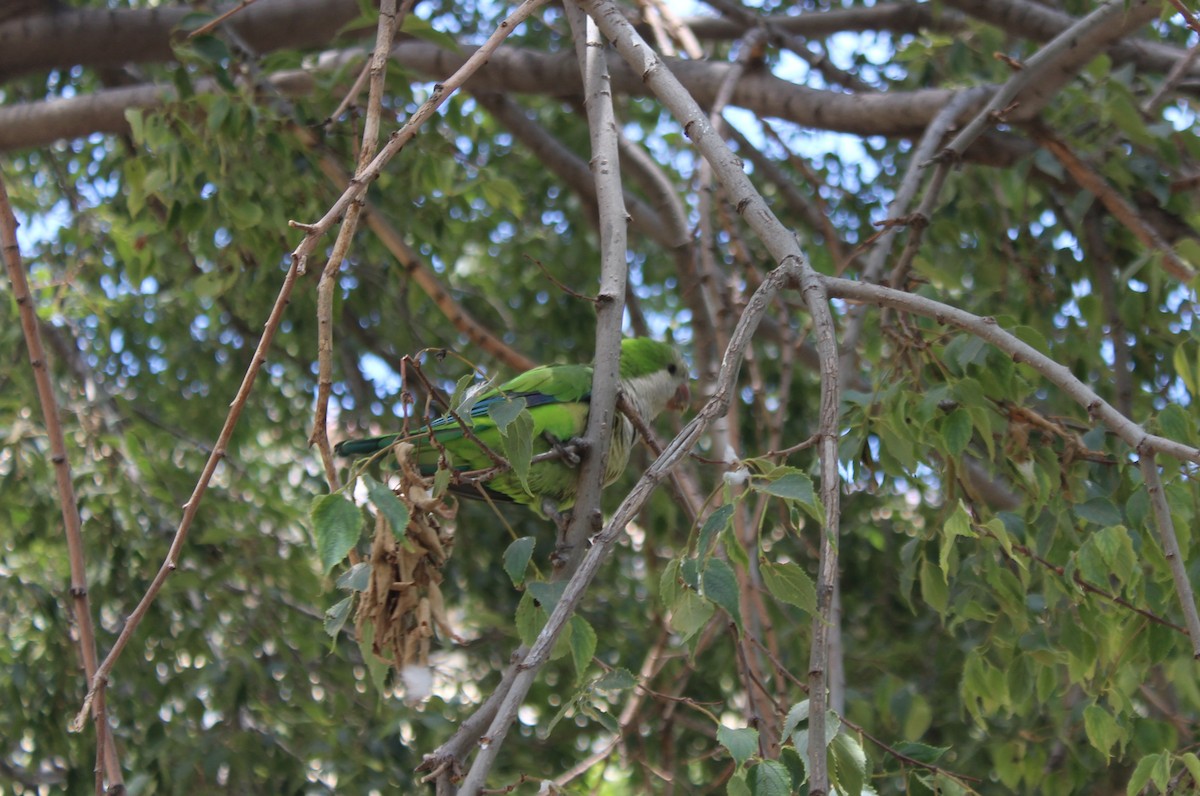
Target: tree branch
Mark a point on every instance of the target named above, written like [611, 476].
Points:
[72, 527]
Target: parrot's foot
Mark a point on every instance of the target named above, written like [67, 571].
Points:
[570, 453]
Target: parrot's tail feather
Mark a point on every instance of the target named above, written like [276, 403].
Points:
[360, 447]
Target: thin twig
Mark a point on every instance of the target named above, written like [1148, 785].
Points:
[220, 19]
[106, 751]
[1092, 182]
[325, 287]
[1170, 545]
[989, 331]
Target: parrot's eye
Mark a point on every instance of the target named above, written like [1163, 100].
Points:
[672, 368]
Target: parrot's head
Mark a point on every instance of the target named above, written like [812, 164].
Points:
[654, 376]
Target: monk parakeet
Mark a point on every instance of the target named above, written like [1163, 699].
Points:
[653, 375]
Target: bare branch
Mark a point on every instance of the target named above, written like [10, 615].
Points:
[1041, 76]
[987, 329]
[1092, 182]
[1170, 545]
[110, 764]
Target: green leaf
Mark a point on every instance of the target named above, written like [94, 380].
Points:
[336, 616]
[357, 578]
[391, 507]
[1098, 511]
[547, 593]
[516, 558]
[669, 585]
[921, 752]
[337, 524]
[770, 778]
[529, 619]
[796, 714]
[933, 587]
[1149, 767]
[956, 431]
[1184, 370]
[137, 125]
[616, 680]
[850, 763]
[1175, 422]
[505, 411]
[789, 583]
[463, 399]
[375, 667]
[737, 785]
[517, 441]
[689, 613]
[721, 586]
[959, 524]
[792, 485]
[741, 743]
[1102, 729]
[583, 645]
[717, 521]
[1192, 763]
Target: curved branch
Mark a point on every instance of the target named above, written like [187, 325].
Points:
[987, 330]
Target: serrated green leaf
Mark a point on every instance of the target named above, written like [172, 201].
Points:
[792, 485]
[1174, 422]
[616, 680]
[602, 716]
[1099, 511]
[357, 578]
[956, 430]
[1102, 729]
[583, 645]
[441, 481]
[796, 714]
[770, 778]
[850, 764]
[689, 613]
[517, 441]
[337, 524]
[391, 507]
[669, 585]
[1192, 763]
[922, 752]
[1148, 768]
[717, 521]
[529, 619]
[789, 583]
[504, 412]
[376, 668]
[933, 587]
[958, 524]
[737, 785]
[1183, 368]
[721, 586]
[742, 744]
[516, 558]
[336, 616]
[463, 399]
[547, 593]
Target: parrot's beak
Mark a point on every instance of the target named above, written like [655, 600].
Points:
[680, 400]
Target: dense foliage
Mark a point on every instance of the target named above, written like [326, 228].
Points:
[1008, 618]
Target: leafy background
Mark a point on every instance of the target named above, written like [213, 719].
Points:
[1018, 638]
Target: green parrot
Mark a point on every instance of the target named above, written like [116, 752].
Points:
[653, 375]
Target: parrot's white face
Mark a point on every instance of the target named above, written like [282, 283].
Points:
[666, 388]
